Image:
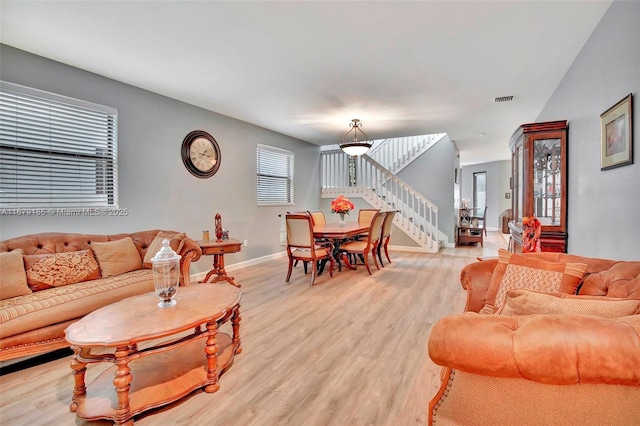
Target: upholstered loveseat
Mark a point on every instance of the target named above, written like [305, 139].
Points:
[527, 354]
[49, 280]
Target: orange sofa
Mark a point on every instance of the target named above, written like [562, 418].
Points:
[570, 356]
[49, 280]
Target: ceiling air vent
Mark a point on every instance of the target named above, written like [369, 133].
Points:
[503, 99]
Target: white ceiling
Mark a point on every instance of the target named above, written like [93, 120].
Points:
[306, 69]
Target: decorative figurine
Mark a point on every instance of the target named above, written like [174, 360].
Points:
[531, 229]
[218, 228]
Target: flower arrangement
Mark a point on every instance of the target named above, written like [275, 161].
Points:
[341, 205]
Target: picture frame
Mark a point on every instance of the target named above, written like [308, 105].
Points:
[616, 135]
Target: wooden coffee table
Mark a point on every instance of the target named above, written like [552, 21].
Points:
[192, 353]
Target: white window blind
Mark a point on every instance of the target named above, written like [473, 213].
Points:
[275, 176]
[56, 151]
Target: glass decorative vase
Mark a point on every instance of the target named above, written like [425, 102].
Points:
[166, 274]
[343, 221]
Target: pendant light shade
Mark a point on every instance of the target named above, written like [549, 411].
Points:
[356, 141]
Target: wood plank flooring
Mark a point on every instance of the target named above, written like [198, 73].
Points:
[351, 350]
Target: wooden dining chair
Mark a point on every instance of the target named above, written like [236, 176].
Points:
[365, 216]
[385, 236]
[317, 217]
[368, 245]
[302, 246]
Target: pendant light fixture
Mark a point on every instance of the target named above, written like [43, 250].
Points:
[355, 144]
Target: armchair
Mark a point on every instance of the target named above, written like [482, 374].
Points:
[557, 364]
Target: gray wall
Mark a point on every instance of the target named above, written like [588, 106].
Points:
[603, 205]
[498, 174]
[432, 175]
[154, 185]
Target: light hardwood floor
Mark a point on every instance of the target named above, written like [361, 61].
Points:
[351, 350]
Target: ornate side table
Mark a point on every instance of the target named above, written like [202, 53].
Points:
[218, 250]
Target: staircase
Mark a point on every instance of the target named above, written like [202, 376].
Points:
[396, 153]
[367, 178]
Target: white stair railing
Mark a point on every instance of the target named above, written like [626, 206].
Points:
[417, 216]
[396, 153]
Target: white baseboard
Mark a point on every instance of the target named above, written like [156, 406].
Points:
[408, 248]
[241, 265]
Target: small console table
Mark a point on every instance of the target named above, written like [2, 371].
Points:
[218, 249]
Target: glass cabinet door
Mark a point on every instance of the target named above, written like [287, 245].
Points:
[518, 180]
[539, 182]
[547, 182]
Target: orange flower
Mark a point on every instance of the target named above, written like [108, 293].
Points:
[341, 205]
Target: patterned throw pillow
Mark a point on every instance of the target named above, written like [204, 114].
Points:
[60, 269]
[516, 271]
[526, 302]
[176, 241]
[117, 257]
[13, 280]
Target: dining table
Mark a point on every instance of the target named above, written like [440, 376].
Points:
[338, 233]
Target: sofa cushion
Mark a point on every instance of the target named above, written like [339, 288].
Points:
[55, 270]
[520, 271]
[43, 308]
[13, 280]
[176, 241]
[117, 257]
[526, 302]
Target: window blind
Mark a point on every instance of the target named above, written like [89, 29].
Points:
[56, 151]
[275, 175]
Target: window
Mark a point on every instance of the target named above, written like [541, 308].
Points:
[56, 151]
[480, 190]
[275, 176]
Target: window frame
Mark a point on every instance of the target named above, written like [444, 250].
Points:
[287, 157]
[476, 175]
[71, 142]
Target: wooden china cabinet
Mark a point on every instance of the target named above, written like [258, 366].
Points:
[539, 183]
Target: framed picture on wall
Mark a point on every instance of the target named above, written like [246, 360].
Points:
[616, 130]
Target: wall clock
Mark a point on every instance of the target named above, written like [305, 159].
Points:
[201, 154]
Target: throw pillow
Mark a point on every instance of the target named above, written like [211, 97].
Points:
[117, 257]
[13, 280]
[59, 269]
[176, 241]
[532, 273]
[526, 302]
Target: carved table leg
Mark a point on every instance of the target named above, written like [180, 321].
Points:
[221, 273]
[211, 349]
[122, 383]
[235, 322]
[79, 369]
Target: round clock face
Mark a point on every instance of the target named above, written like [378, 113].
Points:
[201, 154]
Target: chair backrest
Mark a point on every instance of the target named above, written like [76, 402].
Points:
[386, 224]
[317, 217]
[375, 228]
[480, 218]
[366, 215]
[299, 230]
